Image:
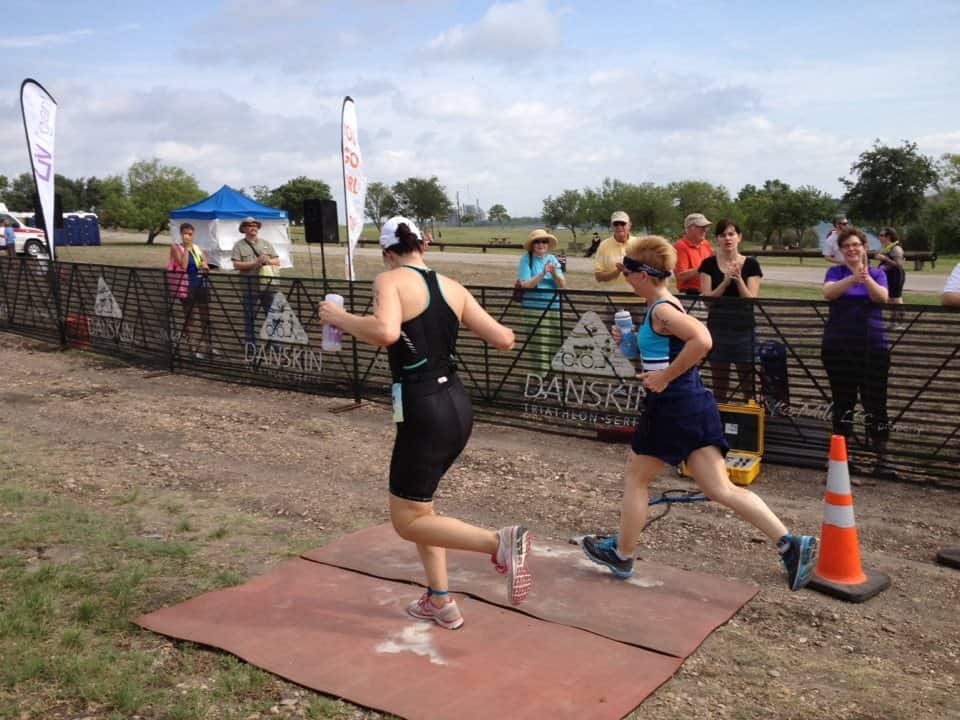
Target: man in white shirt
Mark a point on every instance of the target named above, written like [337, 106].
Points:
[829, 248]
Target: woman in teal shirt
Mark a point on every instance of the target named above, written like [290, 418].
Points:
[540, 275]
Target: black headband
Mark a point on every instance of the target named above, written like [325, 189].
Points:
[637, 266]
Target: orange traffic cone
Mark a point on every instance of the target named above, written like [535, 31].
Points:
[839, 572]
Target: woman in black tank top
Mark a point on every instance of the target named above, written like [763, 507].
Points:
[432, 411]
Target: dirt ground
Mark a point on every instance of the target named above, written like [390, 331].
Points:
[92, 428]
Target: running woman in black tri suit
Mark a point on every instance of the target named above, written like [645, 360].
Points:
[680, 421]
[416, 316]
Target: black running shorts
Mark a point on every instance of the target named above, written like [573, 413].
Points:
[437, 420]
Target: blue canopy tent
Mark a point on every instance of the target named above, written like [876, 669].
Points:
[216, 220]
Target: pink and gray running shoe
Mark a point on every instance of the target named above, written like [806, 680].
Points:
[511, 559]
[447, 616]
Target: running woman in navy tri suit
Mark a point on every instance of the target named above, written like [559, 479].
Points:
[416, 316]
[680, 421]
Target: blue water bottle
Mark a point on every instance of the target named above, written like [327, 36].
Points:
[628, 337]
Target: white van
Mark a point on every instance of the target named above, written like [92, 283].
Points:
[29, 241]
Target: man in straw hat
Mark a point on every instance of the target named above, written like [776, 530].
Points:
[254, 258]
[539, 276]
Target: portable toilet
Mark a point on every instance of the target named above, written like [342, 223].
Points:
[80, 229]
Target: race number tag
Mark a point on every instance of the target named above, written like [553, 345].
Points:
[397, 392]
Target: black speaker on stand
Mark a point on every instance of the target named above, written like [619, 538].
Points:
[320, 227]
[320, 221]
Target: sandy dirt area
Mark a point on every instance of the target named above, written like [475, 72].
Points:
[88, 428]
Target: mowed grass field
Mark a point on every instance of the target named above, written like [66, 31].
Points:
[130, 249]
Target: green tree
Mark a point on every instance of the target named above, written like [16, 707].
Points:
[20, 193]
[889, 184]
[650, 208]
[699, 196]
[4, 188]
[949, 170]
[498, 214]
[753, 210]
[154, 190]
[423, 199]
[107, 197]
[379, 204]
[291, 194]
[567, 209]
[598, 204]
[70, 192]
[260, 193]
[940, 217]
[806, 206]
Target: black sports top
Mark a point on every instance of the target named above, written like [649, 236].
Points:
[427, 346]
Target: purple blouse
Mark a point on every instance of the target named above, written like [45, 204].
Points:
[854, 319]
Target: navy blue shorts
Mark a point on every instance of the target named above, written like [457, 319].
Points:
[672, 427]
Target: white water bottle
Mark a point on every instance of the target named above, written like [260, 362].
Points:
[332, 335]
[628, 338]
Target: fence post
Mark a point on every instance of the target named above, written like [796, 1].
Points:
[486, 349]
[54, 274]
[168, 304]
[356, 356]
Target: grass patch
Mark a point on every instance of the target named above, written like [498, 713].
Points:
[129, 498]
[237, 678]
[227, 578]
[68, 591]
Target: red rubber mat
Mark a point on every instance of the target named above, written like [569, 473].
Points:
[347, 635]
[660, 608]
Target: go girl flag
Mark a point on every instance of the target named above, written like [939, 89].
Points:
[40, 122]
[354, 184]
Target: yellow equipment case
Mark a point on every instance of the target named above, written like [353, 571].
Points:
[743, 427]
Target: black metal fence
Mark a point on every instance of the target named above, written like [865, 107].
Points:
[565, 375]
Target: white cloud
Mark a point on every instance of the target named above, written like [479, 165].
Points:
[506, 32]
[46, 40]
[937, 144]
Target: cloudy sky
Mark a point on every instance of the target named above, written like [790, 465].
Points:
[505, 102]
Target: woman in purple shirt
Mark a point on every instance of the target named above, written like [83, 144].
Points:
[855, 352]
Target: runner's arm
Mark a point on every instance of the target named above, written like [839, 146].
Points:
[380, 329]
[481, 324]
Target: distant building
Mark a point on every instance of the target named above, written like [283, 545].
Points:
[474, 211]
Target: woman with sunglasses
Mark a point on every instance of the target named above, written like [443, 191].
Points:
[854, 349]
[680, 422]
[539, 276]
[417, 314]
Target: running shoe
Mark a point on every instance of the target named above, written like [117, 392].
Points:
[447, 616]
[604, 552]
[511, 560]
[800, 559]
